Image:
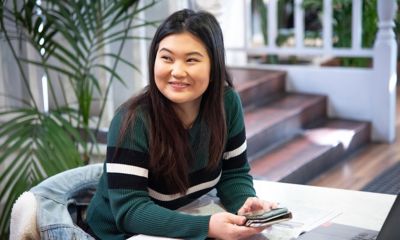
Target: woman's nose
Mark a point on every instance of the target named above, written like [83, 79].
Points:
[178, 70]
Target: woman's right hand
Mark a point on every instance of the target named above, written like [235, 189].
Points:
[225, 225]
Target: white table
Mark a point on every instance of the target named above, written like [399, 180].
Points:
[361, 209]
[357, 208]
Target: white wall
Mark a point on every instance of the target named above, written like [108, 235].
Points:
[12, 89]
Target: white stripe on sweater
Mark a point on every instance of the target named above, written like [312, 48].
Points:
[235, 152]
[127, 169]
[165, 197]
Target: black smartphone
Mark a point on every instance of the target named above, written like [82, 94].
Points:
[266, 218]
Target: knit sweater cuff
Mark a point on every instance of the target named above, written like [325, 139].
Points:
[202, 222]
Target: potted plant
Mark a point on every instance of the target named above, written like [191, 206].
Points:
[68, 39]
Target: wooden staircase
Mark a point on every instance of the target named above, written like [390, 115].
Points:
[289, 136]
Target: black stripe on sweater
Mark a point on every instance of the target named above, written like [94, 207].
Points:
[126, 181]
[236, 141]
[235, 162]
[198, 177]
[127, 156]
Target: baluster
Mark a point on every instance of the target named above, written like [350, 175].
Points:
[327, 25]
[383, 90]
[299, 23]
[247, 23]
[356, 24]
[272, 22]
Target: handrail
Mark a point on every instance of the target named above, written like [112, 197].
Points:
[343, 52]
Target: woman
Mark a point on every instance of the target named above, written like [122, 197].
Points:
[180, 138]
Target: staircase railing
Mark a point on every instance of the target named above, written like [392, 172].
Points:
[299, 48]
[362, 94]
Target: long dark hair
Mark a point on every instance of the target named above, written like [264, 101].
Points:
[169, 148]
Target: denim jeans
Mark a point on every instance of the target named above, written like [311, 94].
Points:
[62, 200]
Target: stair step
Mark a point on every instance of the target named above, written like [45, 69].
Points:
[281, 119]
[312, 152]
[257, 87]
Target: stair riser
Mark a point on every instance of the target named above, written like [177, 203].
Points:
[270, 137]
[314, 168]
[262, 92]
[361, 139]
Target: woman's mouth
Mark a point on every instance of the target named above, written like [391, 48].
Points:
[178, 85]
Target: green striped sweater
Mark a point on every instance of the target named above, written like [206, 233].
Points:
[129, 200]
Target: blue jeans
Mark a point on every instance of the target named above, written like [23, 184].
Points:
[62, 200]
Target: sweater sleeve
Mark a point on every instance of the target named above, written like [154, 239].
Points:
[236, 184]
[127, 178]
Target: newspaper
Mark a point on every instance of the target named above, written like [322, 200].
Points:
[305, 218]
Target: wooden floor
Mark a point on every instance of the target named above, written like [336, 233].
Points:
[364, 165]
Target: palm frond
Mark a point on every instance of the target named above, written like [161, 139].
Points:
[35, 146]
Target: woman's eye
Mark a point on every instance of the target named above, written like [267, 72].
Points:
[166, 58]
[193, 60]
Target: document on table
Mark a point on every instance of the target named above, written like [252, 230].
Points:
[305, 218]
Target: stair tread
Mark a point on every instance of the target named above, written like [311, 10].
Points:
[311, 144]
[285, 107]
[247, 78]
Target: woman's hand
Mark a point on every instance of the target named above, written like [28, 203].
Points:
[225, 225]
[229, 226]
[255, 204]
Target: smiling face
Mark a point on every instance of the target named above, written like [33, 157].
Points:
[182, 69]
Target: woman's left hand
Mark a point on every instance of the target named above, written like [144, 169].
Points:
[255, 204]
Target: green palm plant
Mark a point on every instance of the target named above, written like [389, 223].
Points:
[69, 38]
